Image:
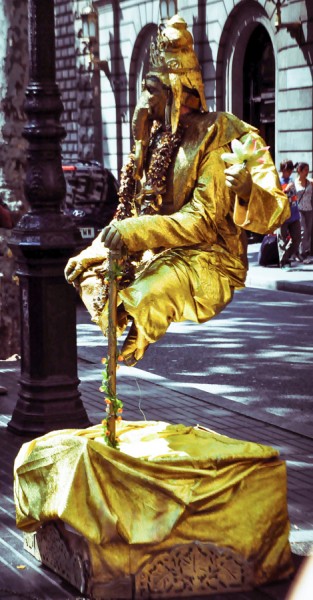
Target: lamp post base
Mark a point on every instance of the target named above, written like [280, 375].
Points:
[48, 405]
[48, 398]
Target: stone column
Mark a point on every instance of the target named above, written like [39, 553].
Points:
[42, 242]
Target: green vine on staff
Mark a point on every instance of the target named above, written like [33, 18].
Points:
[114, 406]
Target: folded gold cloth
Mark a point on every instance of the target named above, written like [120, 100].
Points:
[168, 485]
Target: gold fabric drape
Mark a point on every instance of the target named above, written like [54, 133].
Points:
[168, 484]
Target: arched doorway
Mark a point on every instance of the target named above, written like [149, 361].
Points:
[246, 68]
[259, 85]
[140, 64]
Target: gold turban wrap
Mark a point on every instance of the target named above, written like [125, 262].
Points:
[174, 62]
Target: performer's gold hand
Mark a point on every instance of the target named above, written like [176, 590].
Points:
[239, 180]
[111, 238]
[73, 269]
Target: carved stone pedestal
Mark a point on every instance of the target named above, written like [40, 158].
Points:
[177, 512]
[182, 571]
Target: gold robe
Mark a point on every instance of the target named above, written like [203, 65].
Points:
[199, 230]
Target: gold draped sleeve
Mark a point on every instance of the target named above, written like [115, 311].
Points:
[199, 229]
[212, 210]
[268, 206]
[196, 223]
[198, 209]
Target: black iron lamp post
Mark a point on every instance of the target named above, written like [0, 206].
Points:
[42, 242]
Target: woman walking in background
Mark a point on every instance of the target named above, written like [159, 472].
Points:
[304, 189]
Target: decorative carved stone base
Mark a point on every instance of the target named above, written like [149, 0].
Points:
[182, 571]
[194, 569]
[67, 558]
[138, 529]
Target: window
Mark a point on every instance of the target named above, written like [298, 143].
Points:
[168, 9]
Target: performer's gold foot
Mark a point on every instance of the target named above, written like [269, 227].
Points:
[134, 346]
[122, 317]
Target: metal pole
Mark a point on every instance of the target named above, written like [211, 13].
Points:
[42, 242]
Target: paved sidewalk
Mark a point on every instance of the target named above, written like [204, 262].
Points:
[297, 278]
[156, 398]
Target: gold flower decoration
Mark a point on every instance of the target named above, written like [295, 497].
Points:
[244, 153]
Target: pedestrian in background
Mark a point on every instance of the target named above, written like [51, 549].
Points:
[304, 188]
[289, 234]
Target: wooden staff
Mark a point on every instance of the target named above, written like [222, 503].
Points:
[113, 256]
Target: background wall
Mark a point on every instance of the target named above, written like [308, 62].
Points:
[98, 103]
[222, 32]
[13, 79]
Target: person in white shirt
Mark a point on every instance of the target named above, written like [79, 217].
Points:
[304, 188]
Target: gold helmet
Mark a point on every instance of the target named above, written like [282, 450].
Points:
[174, 62]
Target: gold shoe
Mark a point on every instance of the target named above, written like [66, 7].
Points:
[122, 317]
[134, 346]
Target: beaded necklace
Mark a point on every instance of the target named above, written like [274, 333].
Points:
[162, 146]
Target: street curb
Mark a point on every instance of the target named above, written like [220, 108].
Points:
[297, 279]
[298, 288]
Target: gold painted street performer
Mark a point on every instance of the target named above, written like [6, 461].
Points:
[178, 201]
[174, 510]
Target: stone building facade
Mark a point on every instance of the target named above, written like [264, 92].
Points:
[256, 58]
[13, 80]
[79, 84]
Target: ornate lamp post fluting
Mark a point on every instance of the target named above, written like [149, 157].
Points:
[42, 242]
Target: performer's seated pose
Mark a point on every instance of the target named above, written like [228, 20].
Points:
[179, 510]
[178, 201]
